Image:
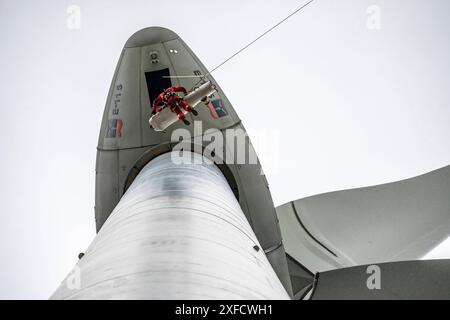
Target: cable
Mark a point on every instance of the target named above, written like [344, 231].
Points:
[252, 42]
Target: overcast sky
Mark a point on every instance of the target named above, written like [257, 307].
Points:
[371, 105]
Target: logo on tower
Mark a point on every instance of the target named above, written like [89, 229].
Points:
[114, 128]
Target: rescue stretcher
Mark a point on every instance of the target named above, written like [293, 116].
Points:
[164, 118]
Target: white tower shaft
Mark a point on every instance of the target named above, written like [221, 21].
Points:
[177, 233]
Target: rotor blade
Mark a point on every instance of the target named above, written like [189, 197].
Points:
[396, 221]
[406, 280]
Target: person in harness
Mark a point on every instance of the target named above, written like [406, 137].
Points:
[170, 98]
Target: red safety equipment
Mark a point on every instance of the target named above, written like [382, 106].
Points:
[170, 98]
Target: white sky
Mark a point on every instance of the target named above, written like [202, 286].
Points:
[341, 105]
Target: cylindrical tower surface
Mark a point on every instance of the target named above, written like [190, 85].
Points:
[177, 233]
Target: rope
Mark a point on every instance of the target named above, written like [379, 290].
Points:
[250, 43]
